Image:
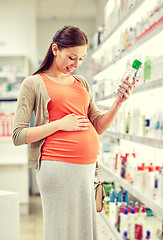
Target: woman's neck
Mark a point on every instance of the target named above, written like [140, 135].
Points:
[53, 71]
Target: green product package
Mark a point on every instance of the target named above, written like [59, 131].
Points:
[136, 64]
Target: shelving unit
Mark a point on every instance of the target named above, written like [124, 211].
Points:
[13, 161]
[158, 209]
[114, 231]
[13, 70]
[107, 71]
[130, 13]
[143, 140]
[5, 99]
[15, 64]
[158, 28]
[141, 88]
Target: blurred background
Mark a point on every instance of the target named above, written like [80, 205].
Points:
[131, 157]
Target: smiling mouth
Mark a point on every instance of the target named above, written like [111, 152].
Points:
[69, 69]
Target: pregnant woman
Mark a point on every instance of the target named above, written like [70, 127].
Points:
[64, 143]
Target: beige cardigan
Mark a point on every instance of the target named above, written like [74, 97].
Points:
[33, 96]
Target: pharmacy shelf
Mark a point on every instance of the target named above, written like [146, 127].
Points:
[142, 140]
[158, 209]
[148, 35]
[140, 88]
[5, 139]
[17, 75]
[109, 224]
[149, 85]
[12, 155]
[132, 10]
[12, 99]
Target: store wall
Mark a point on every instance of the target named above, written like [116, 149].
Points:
[18, 29]
[100, 12]
[48, 27]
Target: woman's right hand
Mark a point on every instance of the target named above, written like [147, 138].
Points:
[73, 122]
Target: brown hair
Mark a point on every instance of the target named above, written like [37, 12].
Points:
[68, 36]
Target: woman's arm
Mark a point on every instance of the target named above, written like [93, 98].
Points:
[23, 134]
[103, 121]
[108, 117]
[70, 122]
[34, 134]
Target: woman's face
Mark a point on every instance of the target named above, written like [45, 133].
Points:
[68, 59]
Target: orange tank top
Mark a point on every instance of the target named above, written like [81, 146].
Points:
[79, 147]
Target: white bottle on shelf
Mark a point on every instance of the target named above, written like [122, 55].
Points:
[132, 223]
[159, 198]
[139, 179]
[124, 221]
[132, 166]
[148, 235]
[142, 217]
[112, 208]
[150, 180]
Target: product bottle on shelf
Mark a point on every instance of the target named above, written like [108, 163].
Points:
[142, 217]
[140, 223]
[155, 191]
[120, 217]
[147, 69]
[148, 235]
[124, 221]
[139, 179]
[133, 165]
[136, 213]
[160, 187]
[112, 208]
[131, 72]
[132, 223]
[138, 231]
[118, 206]
[125, 235]
[150, 179]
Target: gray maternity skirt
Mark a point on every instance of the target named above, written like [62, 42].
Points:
[67, 193]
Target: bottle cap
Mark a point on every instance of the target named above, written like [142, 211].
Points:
[129, 209]
[151, 169]
[122, 209]
[143, 166]
[157, 168]
[134, 155]
[136, 209]
[125, 234]
[143, 210]
[125, 211]
[156, 183]
[136, 64]
[112, 197]
[132, 210]
[148, 235]
[140, 168]
[119, 198]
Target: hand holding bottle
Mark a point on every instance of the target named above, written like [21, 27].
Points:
[125, 90]
[128, 82]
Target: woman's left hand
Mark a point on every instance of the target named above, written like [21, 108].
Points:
[127, 93]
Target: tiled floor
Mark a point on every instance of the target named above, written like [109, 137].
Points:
[31, 226]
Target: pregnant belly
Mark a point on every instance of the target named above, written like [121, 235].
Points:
[77, 147]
